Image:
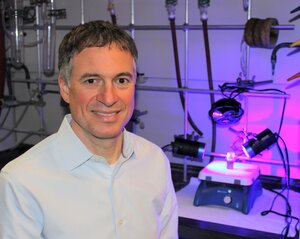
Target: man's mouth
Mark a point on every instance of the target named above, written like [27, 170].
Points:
[106, 114]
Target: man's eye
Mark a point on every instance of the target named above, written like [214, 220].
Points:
[122, 80]
[90, 81]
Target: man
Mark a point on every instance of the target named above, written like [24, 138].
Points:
[91, 179]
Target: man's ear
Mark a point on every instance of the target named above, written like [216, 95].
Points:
[63, 88]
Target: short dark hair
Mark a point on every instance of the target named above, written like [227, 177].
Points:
[92, 34]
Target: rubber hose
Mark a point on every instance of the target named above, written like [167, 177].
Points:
[210, 82]
[111, 9]
[2, 61]
[9, 80]
[260, 32]
[275, 50]
[178, 75]
[113, 19]
[249, 31]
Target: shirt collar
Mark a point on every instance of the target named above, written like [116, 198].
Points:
[128, 145]
[75, 153]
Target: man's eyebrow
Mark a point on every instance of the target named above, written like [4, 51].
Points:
[124, 74]
[91, 75]
[88, 75]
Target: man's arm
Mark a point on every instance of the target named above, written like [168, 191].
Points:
[20, 217]
[169, 215]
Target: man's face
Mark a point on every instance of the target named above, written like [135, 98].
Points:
[100, 92]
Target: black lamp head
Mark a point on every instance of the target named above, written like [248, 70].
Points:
[259, 143]
[186, 147]
[226, 111]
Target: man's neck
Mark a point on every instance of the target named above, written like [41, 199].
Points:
[110, 148]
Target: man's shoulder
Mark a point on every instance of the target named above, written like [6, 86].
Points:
[146, 149]
[32, 157]
[141, 141]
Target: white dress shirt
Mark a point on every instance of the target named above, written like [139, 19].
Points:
[59, 190]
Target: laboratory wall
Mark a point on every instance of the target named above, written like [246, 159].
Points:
[160, 114]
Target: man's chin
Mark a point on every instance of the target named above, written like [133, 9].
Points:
[108, 135]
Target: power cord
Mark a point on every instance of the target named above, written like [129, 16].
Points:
[288, 214]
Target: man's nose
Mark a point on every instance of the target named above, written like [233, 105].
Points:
[107, 94]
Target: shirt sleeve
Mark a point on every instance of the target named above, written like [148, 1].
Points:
[19, 213]
[169, 215]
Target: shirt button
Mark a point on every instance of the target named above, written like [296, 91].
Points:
[120, 222]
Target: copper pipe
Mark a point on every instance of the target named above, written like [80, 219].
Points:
[297, 75]
[296, 43]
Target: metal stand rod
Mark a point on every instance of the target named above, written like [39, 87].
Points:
[166, 27]
[82, 11]
[257, 160]
[186, 83]
[41, 133]
[132, 18]
[205, 91]
[39, 67]
[246, 102]
[174, 89]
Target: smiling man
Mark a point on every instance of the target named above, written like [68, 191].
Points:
[100, 93]
[91, 179]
